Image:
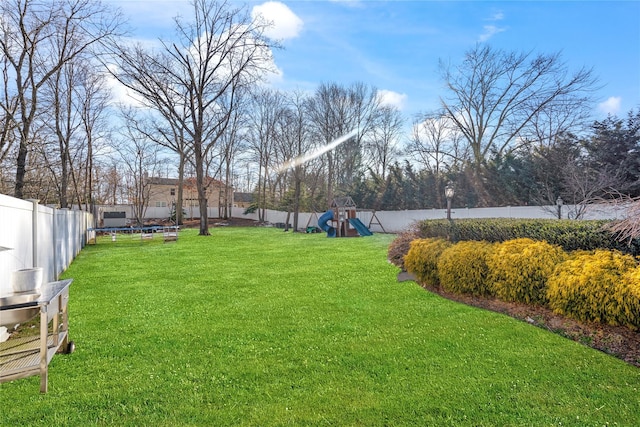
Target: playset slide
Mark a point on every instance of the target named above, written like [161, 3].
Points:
[323, 223]
[360, 227]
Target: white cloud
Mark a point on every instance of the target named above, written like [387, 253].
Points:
[611, 105]
[120, 94]
[285, 23]
[348, 3]
[391, 98]
[490, 31]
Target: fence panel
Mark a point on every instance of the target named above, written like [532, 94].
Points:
[33, 235]
[15, 238]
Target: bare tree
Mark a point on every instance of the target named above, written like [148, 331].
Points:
[196, 79]
[584, 185]
[267, 107]
[93, 100]
[141, 160]
[108, 182]
[293, 137]
[8, 108]
[37, 40]
[233, 141]
[41, 178]
[76, 100]
[327, 124]
[496, 97]
[382, 145]
[64, 123]
[161, 127]
[436, 144]
[335, 111]
[364, 105]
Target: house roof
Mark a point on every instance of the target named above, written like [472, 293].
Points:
[162, 181]
[343, 202]
[187, 181]
[243, 197]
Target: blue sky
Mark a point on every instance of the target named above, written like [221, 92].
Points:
[396, 45]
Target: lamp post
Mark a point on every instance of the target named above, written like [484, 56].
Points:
[448, 193]
[559, 205]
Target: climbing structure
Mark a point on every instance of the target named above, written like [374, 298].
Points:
[341, 221]
[343, 209]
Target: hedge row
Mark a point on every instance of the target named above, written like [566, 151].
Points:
[600, 285]
[570, 235]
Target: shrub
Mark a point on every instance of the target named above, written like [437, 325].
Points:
[632, 298]
[399, 247]
[422, 259]
[520, 268]
[463, 268]
[569, 234]
[590, 286]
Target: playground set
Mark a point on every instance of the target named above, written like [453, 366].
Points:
[341, 221]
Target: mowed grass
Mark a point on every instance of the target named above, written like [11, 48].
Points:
[256, 327]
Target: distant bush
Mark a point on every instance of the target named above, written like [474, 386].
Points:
[422, 259]
[520, 269]
[399, 247]
[591, 286]
[462, 268]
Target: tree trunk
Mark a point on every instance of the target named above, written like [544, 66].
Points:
[21, 165]
[202, 195]
[330, 174]
[88, 191]
[296, 199]
[179, 195]
[286, 222]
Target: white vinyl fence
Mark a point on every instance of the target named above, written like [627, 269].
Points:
[397, 221]
[32, 235]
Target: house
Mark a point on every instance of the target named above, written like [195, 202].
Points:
[242, 200]
[163, 193]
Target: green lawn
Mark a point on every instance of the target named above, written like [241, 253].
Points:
[256, 327]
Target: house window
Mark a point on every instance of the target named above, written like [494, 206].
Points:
[161, 204]
[173, 191]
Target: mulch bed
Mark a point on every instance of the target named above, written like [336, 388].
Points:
[618, 341]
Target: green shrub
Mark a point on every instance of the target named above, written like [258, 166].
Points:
[520, 268]
[463, 268]
[399, 247]
[571, 235]
[422, 259]
[590, 286]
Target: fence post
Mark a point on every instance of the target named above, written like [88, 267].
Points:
[34, 232]
[54, 238]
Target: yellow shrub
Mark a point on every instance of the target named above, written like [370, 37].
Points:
[462, 268]
[632, 298]
[422, 259]
[590, 286]
[520, 268]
